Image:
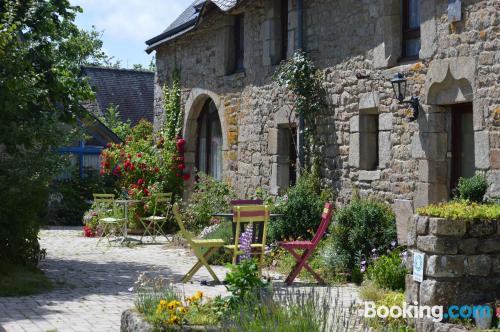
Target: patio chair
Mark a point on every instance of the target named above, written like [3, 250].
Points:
[110, 225]
[308, 247]
[245, 202]
[211, 245]
[253, 214]
[158, 219]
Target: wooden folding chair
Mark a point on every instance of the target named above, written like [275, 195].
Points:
[253, 214]
[212, 245]
[308, 247]
[158, 219]
[105, 204]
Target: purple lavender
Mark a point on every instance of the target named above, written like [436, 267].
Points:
[246, 242]
[363, 266]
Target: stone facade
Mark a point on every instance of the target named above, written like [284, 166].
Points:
[357, 46]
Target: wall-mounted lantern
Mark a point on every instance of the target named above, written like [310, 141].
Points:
[399, 87]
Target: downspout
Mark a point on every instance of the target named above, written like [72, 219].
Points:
[300, 46]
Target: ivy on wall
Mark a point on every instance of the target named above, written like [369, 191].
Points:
[172, 106]
[300, 76]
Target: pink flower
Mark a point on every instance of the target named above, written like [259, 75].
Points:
[140, 182]
[181, 166]
[186, 177]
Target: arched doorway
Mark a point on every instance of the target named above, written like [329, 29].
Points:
[209, 141]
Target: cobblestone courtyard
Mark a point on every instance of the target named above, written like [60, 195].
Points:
[92, 284]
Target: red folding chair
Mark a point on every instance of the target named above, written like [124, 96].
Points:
[308, 247]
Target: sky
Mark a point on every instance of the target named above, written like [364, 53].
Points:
[127, 24]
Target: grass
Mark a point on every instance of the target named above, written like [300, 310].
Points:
[18, 280]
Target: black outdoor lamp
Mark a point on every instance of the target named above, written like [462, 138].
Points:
[399, 87]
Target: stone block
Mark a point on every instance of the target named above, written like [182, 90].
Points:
[478, 265]
[495, 159]
[412, 289]
[468, 246]
[441, 226]
[494, 180]
[481, 228]
[482, 149]
[437, 245]
[272, 141]
[423, 225]
[369, 100]
[428, 193]
[432, 123]
[433, 292]
[354, 124]
[354, 150]
[369, 175]
[431, 146]
[403, 209]
[438, 266]
[432, 171]
[385, 121]
[491, 245]
[411, 236]
[384, 149]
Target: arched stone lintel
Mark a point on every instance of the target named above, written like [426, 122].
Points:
[450, 81]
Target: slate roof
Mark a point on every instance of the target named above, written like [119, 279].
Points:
[187, 21]
[131, 90]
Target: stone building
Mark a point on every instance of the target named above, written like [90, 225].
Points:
[236, 122]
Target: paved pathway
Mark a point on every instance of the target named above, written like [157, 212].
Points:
[93, 283]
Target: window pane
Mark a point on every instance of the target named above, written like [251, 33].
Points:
[202, 147]
[467, 145]
[216, 149]
[412, 47]
[91, 161]
[413, 14]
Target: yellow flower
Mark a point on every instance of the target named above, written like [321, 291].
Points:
[182, 310]
[174, 319]
[173, 304]
[162, 306]
[198, 295]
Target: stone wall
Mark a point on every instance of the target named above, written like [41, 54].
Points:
[356, 45]
[462, 261]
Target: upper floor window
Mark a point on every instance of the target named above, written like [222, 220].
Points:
[284, 29]
[239, 43]
[411, 28]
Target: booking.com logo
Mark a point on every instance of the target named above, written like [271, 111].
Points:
[435, 312]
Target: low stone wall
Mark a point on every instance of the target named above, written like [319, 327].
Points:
[132, 321]
[462, 261]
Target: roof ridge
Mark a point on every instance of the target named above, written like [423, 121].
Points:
[139, 71]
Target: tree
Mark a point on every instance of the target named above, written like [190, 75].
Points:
[41, 91]
[111, 119]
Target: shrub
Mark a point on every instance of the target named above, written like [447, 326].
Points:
[370, 291]
[69, 197]
[301, 208]
[209, 196]
[388, 271]
[462, 210]
[472, 189]
[358, 228]
[243, 281]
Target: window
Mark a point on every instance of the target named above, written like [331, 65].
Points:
[284, 29]
[239, 43]
[411, 28]
[209, 152]
[462, 143]
[368, 141]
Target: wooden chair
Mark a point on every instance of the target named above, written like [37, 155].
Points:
[308, 247]
[253, 214]
[105, 204]
[212, 245]
[246, 202]
[157, 220]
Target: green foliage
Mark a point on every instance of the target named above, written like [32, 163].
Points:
[243, 280]
[301, 208]
[68, 197]
[209, 196]
[462, 210]
[358, 228]
[149, 292]
[370, 291]
[222, 231]
[172, 106]
[472, 189]
[18, 280]
[388, 271]
[41, 51]
[111, 119]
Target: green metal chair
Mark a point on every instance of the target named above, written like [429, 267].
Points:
[105, 206]
[153, 225]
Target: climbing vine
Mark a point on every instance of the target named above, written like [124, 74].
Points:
[300, 76]
[172, 106]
